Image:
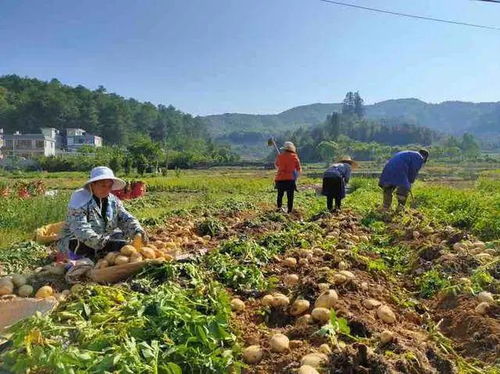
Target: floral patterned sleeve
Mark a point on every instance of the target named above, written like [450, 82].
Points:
[82, 229]
[129, 225]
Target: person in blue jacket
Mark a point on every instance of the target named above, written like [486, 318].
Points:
[335, 179]
[399, 174]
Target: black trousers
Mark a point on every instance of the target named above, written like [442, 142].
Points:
[289, 188]
[333, 189]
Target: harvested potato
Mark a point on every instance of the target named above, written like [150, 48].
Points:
[253, 354]
[386, 314]
[128, 250]
[347, 274]
[279, 343]
[343, 265]
[316, 360]
[148, 252]
[237, 305]
[307, 369]
[386, 336]
[485, 296]
[323, 286]
[304, 320]
[299, 307]
[102, 264]
[338, 278]
[136, 257]
[267, 300]
[290, 262]
[291, 279]
[110, 257]
[318, 252]
[25, 290]
[325, 348]
[18, 280]
[280, 300]
[371, 303]
[120, 260]
[321, 315]
[6, 286]
[44, 292]
[326, 300]
[482, 308]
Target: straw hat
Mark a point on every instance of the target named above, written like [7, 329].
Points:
[289, 146]
[349, 160]
[101, 173]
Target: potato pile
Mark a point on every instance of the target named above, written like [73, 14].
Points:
[17, 285]
[135, 252]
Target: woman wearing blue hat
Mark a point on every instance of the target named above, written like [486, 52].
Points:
[97, 222]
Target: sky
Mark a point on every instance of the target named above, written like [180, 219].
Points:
[255, 56]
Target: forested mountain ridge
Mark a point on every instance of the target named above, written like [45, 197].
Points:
[454, 117]
[27, 104]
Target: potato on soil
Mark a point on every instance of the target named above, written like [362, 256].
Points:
[279, 343]
[291, 279]
[136, 257]
[237, 305]
[299, 307]
[307, 369]
[321, 315]
[347, 274]
[315, 360]
[371, 303]
[485, 296]
[18, 280]
[386, 314]
[280, 300]
[325, 348]
[267, 300]
[386, 336]
[253, 354]
[25, 290]
[343, 265]
[290, 262]
[482, 308]
[326, 300]
[44, 292]
[304, 320]
[128, 250]
[338, 278]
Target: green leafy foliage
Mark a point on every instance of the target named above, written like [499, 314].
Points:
[108, 329]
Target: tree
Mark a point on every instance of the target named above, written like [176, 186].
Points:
[333, 126]
[327, 150]
[469, 145]
[348, 104]
[359, 108]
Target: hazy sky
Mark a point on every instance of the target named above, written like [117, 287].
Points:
[254, 56]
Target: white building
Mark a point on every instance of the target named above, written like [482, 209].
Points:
[30, 145]
[76, 138]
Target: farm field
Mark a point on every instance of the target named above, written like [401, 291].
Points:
[413, 292]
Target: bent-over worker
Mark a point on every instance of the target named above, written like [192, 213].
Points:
[399, 174]
[97, 222]
[335, 179]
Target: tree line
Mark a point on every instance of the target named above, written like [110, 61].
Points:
[28, 104]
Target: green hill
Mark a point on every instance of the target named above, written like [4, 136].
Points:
[454, 117]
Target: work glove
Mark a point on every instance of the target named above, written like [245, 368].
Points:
[144, 237]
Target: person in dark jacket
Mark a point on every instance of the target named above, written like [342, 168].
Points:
[399, 174]
[335, 179]
[288, 165]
